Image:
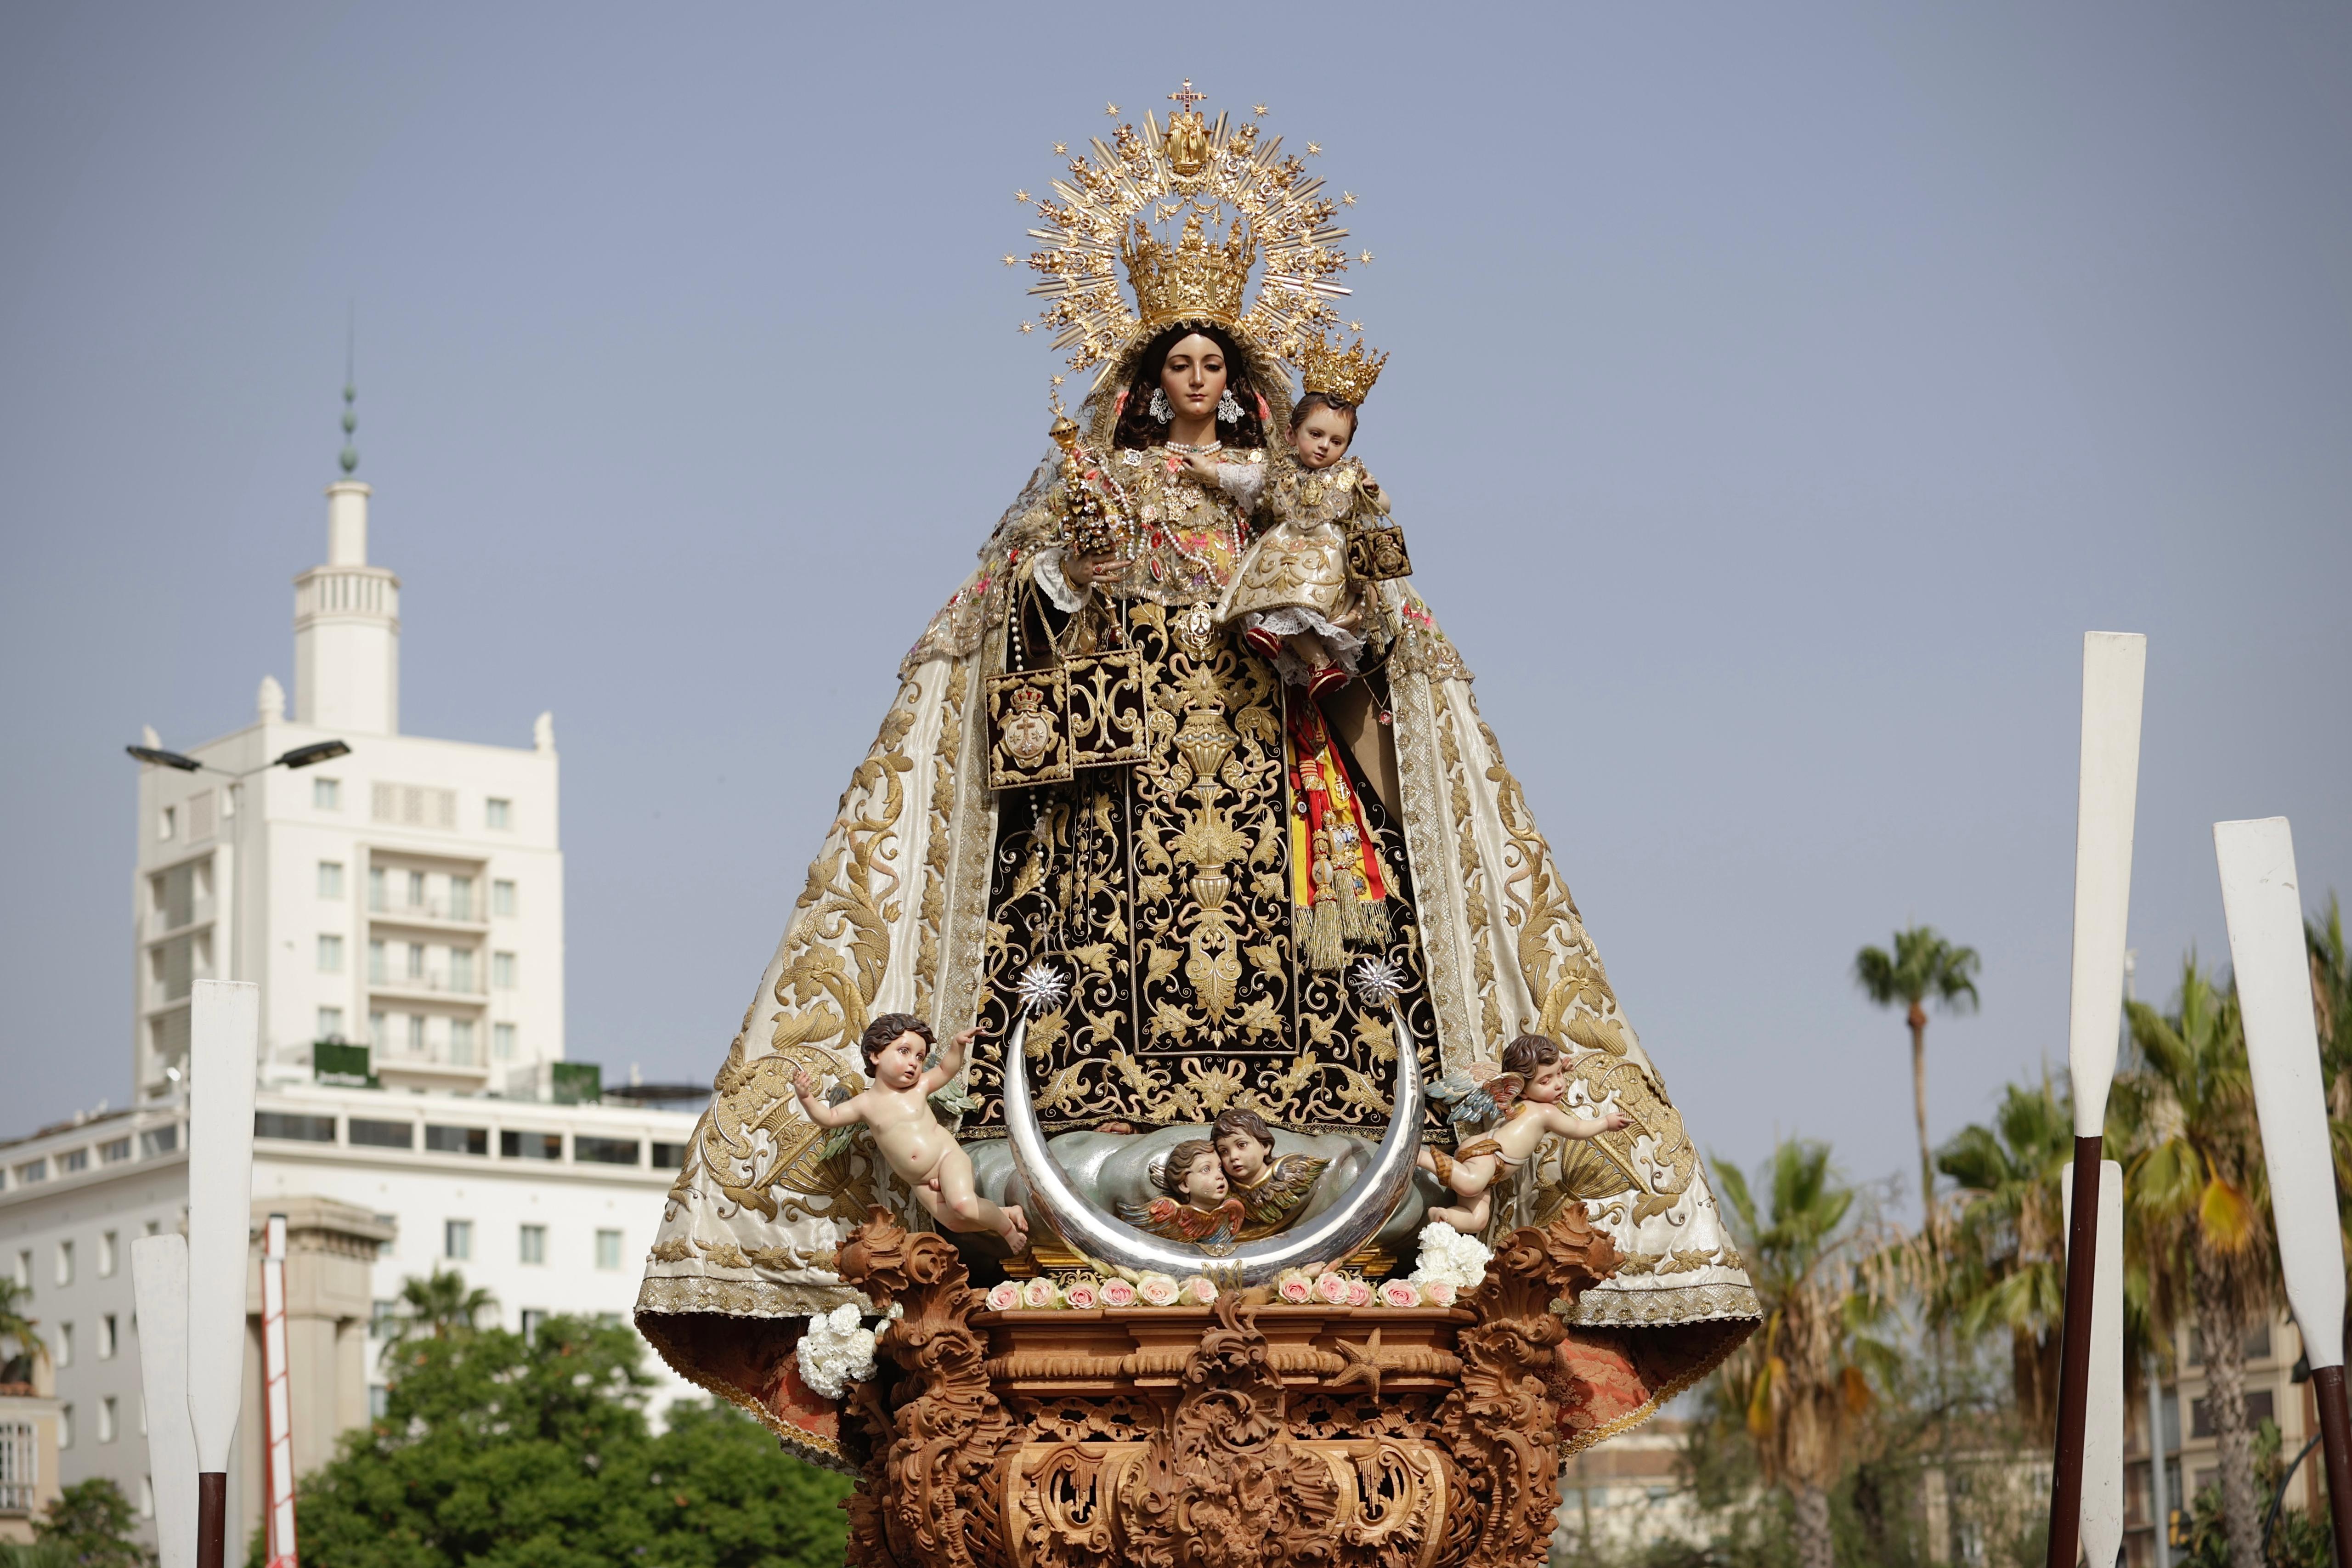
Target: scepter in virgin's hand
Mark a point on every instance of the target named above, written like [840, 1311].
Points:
[2264, 904]
[2115, 670]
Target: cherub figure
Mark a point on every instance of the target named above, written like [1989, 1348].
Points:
[1197, 1208]
[1527, 1093]
[896, 1107]
[1271, 1190]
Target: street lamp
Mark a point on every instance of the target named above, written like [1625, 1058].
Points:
[299, 757]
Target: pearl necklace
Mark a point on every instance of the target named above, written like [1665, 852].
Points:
[1201, 450]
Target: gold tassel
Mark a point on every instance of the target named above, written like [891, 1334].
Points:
[1322, 935]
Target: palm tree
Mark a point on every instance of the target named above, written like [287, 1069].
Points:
[1923, 968]
[437, 1307]
[20, 1330]
[2198, 1190]
[2006, 1264]
[1803, 1380]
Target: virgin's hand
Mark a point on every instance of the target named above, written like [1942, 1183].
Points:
[1081, 572]
[1200, 470]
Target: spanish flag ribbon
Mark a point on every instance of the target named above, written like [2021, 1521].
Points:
[1335, 868]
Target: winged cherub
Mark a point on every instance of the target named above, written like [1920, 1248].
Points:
[1197, 1208]
[1527, 1093]
[1272, 1191]
[896, 1107]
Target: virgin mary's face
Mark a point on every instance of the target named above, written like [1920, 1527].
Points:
[1193, 376]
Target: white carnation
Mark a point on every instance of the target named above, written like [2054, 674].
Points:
[1449, 1257]
[837, 1351]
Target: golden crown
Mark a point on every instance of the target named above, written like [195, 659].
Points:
[1342, 377]
[1193, 164]
[1190, 280]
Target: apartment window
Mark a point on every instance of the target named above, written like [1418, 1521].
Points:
[24, 1270]
[461, 897]
[371, 1133]
[64, 1348]
[417, 961]
[375, 888]
[331, 878]
[377, 1032]
[167, 825]
[439, 1139]
[109, 1253]
[461, 969]
[2262, 1406]
[32, 1171]
[461, 1042]
[330, 954]
[106, 1412]
[64, 1263]
[377, 971]
[530, 1146]
[533, 1317]
[382, 1316]
[457, 1240]
[327, 795]
[379, 1402]
[498, 813]
[73, 1159]
[146, 1496]
[114, 1148]
[65, 1425]
[502, 1041]
[502, 897]
[608, 1249]
[669, 1156]
[161, 1141]
[416, 890]
[604, 1151]
[502, 970]
[105, 1337]
[298, 1129]
[534, 1244]
[416, 1032]
[330, 1023]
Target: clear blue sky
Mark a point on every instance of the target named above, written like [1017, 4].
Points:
[1777, 395]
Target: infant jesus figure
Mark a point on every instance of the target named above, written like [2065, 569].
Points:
[895, 1108]
[1529, 1091]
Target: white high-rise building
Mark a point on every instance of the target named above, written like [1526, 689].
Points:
[399, 900]
[407, 895]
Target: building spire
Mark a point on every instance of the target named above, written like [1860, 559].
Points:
[350, 458]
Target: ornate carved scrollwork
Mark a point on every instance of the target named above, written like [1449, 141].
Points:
[1245, 1453]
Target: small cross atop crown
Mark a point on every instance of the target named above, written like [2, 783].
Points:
[1184, 98]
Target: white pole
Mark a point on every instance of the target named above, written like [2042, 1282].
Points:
[224, 1017]
[2103, 1423]
[159, 1285]
[277, 1404]
[2264, 904]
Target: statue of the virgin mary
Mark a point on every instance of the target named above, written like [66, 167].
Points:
[1093, 805]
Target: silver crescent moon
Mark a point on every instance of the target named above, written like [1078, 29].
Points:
[1333, 1237]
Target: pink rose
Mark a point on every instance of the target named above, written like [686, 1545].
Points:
[1118, 1293]
[1439, 1292]
[1295, 1288]
[1157, 1291]
[1197, 1291]
[1081, 1295]
[1332, 1288]
[1400, 1293]
[1003, 1296]
[1040, 1292]
[1360, 1292]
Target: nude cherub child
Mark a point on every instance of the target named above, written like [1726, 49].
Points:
[1535, 1076]
[895, 1108]
[1292, 596]
[1197, 1208]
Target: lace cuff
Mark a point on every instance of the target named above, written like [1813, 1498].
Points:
[1047, 571]
[1243, 481]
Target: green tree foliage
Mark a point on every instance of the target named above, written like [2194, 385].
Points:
[89, 1524]
[1923, 968]
[20, 1340]
[437, 1307]
[2005, 1269]
[497, 1452]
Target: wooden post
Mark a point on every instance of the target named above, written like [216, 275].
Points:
[2114, 669]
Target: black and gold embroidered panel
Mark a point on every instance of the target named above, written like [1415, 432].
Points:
[1162, 891]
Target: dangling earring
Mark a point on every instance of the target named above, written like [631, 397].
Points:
[1159, 409]
[1229, 410]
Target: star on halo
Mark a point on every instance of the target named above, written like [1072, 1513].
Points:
[1259, 110]
[1011, 260]
[1020, 195]
[1315, 149]
[1347, 198]
[1355, 326]
[1111, 108]
[1028, 326]
[1060, 148]
[1366, 258]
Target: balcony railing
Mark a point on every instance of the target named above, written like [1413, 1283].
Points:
[164, 921]
[432, 911]
[471, 989]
